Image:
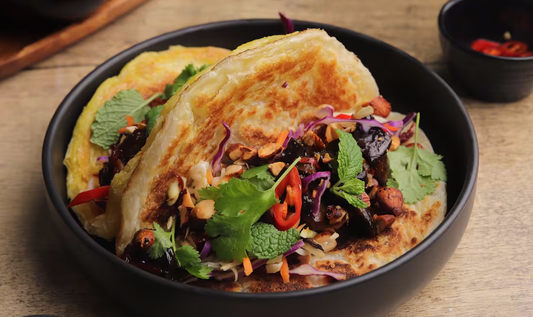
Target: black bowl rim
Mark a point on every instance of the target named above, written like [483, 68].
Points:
[60, 207]
[442, 28]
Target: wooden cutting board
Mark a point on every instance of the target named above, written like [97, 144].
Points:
[23, 44]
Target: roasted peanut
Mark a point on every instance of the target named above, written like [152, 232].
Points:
[382, 222]
[327, 158]
[204, 210]
[144, 238]
[234, 171]
[313, 140]
[234, 151]
[269, 150]
[381, 106]
[395, 143]
[325, 240]
[331, 134]
[390, 200]
[335, 214]
[275, 168]
[248, 153]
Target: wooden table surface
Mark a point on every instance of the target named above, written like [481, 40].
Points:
[490, 274]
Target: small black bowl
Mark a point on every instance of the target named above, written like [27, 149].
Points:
[405, 82]
[486, 77]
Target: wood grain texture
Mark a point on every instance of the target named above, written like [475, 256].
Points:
[491, 273]
[31, 52]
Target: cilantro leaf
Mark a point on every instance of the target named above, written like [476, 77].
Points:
[200, 271]
[189, 259]
[187, 73]
[151, 117]
[354, 186]
[268, 242]
[260, 177]
[239, 206]
[111, 117]
[414, 171]
[260, 172]
[212, 192]
[350, 157]
[162, 242]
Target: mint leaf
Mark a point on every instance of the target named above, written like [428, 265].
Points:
[268, 242]
[111, 117]
[187, 73]
[162, 242]
[354, 186]
[238, 207]
[351, 199]
[151, 117]
[414, 170]
[350, 158]
[260, 177]
[189, 259]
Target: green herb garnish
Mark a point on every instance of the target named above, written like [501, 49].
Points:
[414, 170]
[259, 176]
[186, 256]
[151, 117]
[239, 204]
[350, 164]
[111, 117]
[188, 72]
[268, 242]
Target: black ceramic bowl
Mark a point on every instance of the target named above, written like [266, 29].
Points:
[489, 78]
[405, 82]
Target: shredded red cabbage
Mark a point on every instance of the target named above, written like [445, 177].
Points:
[307, 270]
[321, 189]
[325, 111]
[102, 159]
[294, 135]
[215, 165]
[205, 250]
[402, 123]
[289, 136]
[287, 23]
[365, 123]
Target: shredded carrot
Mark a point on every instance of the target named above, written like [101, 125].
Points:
[388, 126]
[122, 130]
[130, 121]
[248, 269]
[284, 271]
[282, 136]
[209, 176]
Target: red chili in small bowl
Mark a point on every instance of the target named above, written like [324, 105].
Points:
[507, 49]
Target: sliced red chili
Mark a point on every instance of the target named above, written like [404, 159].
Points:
[526, 54]
[513, 48]
[292, 186]
[343, 116]
[480, 44]
[87, 196]
[494, 51]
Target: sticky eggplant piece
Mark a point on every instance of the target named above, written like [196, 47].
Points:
[293, 151]
[374, 143]
[361, 222]
[122, 153]
[317, 223]
[381, 170]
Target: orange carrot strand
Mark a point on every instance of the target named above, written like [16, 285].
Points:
[247, 266]
[282, 136]
[284, 271]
